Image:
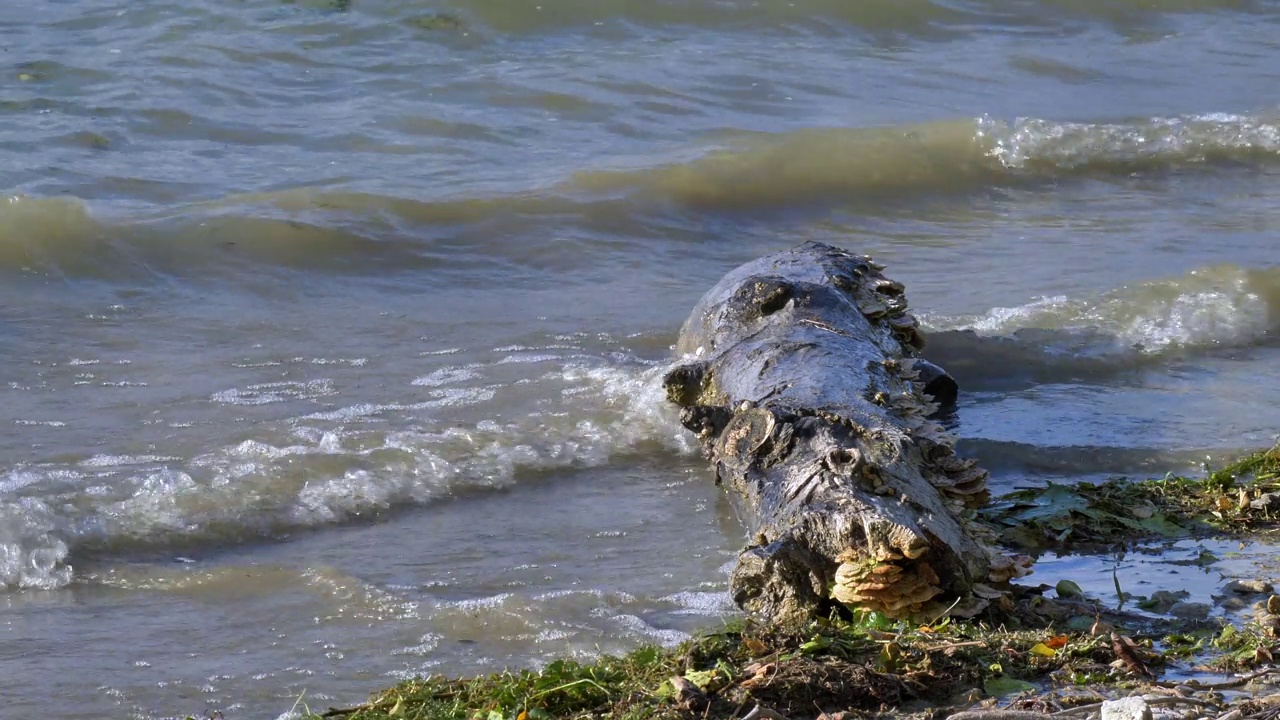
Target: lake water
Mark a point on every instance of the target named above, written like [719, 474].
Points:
[331, 330]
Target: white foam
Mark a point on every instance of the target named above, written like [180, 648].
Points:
[274, 392]
[452, 397]
[1220, 305]
[427, 644]
[701, 603]
[616, 597]
[636, 625]
[103, 461]
[529, 358]
[322, 501]
[448, 375]
[32, 555]
[1003, 319]
[351, 413]
[19, 478]
[484, 603]
[358, 599]
[351, 362]
[444, 397]
[334, 465]
[1026, 142]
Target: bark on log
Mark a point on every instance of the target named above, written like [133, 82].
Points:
[804, 386]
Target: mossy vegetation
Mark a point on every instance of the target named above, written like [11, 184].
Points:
[866, 663]
[863, 662]
[1242, 497]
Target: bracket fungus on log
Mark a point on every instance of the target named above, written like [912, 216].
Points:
[803, 383]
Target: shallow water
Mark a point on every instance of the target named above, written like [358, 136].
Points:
[330, 331]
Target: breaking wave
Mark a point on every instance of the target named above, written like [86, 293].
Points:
[1059, 338]
[349, 231]
[825, 165]
[920, 18]
[331, 467]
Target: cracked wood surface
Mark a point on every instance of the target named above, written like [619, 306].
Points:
[803, 384]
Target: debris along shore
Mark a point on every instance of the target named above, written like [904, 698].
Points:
[1040, 653]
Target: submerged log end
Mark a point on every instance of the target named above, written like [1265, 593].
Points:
[789, 584]
[780, 581]
[938, 384]
[684, 384]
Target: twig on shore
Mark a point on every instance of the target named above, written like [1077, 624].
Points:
[1162, 700]
[763, 713]
[948, 646]
[995, 714]
[1226, 684]
[342, 712]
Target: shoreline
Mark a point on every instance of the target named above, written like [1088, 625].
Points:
[1046, 650]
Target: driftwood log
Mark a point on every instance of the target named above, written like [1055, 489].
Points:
[803, 384]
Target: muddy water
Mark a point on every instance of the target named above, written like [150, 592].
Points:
[330, 331]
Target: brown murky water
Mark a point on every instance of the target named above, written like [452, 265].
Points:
[330, 331]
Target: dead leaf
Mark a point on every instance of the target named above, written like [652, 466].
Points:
[688, 696]
[1262, 655]
[755, 647]
[1127, 651]
[1043, 650]
[890, 654]
[705, 680]
[759, 672]
[1056, 642]
[840, 715]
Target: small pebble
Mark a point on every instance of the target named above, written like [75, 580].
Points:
[1130, 708]
[1190, 610]
[1247, 587]
[1234, 603]
[1161, 600]
[1268, 502]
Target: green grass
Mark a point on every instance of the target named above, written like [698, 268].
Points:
[869, 664]
[631, 686]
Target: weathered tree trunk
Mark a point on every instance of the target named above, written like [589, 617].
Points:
[804, 388]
